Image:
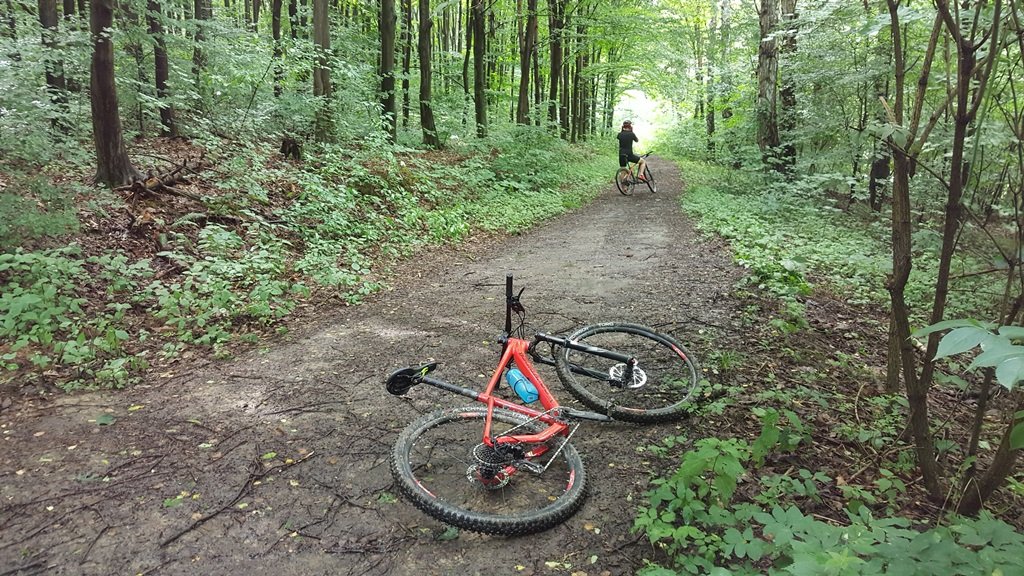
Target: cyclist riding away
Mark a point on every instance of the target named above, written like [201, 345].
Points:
[626, 138]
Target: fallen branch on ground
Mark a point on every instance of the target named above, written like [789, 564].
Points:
[253, 477]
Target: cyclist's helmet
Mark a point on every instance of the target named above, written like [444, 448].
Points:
[627, 123]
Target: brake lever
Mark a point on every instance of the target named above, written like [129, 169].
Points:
[515, 304]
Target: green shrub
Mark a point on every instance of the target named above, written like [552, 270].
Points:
[693, 517]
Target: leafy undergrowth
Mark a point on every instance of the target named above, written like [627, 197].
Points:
[799, 468]
[103, 285]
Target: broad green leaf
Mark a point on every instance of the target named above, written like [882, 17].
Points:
[947, 324]
[1017, 437]
[269, 455]
[1012, 332]
[105, 419]
[996, 356]
[961, 340]
[1010, 372]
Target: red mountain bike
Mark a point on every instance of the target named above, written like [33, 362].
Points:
[505, 467]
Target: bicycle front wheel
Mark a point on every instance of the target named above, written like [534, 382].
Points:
[649, 178]
[624, 181]
[661, 383]
[442, 467]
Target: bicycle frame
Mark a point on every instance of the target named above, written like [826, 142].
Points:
[517, 352]
[634, 168]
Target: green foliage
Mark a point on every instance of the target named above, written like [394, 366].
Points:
[83, 319]
[887, 415]
[693, 517]
[998, 350]
[47, 321]
[784, 233]
[31, 207]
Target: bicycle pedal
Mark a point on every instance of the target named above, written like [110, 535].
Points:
[400, 381]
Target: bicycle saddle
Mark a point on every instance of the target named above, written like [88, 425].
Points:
[400, 381]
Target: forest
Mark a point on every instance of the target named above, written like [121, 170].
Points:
[181, 181]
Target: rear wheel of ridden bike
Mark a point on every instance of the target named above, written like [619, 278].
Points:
[659, 388]
[649, 179]
[624, 181]
[442, 466]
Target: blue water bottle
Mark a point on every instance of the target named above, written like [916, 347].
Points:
[522, 385]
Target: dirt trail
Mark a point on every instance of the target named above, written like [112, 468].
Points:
[276, 461]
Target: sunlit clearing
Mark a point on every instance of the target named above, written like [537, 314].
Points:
[649, 116]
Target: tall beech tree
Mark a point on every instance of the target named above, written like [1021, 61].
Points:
[787, 88]
[389, 112]
[480, 66]
[154, 16]
[430, 137]
[324, 120]
[556, 15]
[406, 58]
[526, 55]
[55, 84]
[113, 167]
[202, 12]
[767, 81]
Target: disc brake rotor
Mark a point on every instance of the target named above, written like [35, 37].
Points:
[617, 371]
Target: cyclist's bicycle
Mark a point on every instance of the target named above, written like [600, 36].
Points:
[505, 467]
[627, 178]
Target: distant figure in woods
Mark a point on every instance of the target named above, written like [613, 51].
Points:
[626, 138]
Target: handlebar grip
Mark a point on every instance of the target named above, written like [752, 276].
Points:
[508, 286]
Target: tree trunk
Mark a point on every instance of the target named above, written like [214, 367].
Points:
[113, 167]
[426, 105]
[1003, 465]
[787, 92]
[556, 10]
[406, 58]
[324, 121]
[466, 98]
[767, 80]
[161, 68]
[564, 96]
[10, 24]
[917, 394]
[55, 85]
[480, 67]
[538, 88]
[293, 19]
[525, 58]
[389, 111]
[202, 11]
[275, 31]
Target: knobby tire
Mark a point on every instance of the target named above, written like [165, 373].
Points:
[624, 181]
[433, 454]
[670, 372]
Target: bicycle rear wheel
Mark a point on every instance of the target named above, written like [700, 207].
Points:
[441, 465]
[650, 179]
[624, 182]
[662, 382]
